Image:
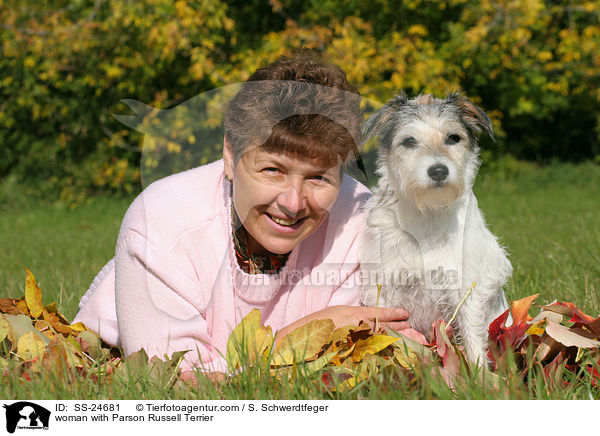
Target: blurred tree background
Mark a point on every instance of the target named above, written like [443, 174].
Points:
[533, 65]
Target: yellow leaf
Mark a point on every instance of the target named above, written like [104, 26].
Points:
[77, 327]
[304, 342]
[5, 329]
[33, 295]
[405, 357]
[248, 341]
[371, 345]
[341, 333]
[536, 329]
[22, 306]
[30, 346]
[321, 362]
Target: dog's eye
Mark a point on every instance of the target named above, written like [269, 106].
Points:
[453, 139]
[409, 142]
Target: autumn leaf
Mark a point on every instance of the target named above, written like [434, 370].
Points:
[569, 309]
[569, 338]
[423, 352]
[248, 341]
[371, 345]
[9, 306]
[304, 342]
[546, 314]
[30, 346]
[450, 360]
[5, 329]
[547, 349]
[21, 324]
[520, 308]
[33, 295]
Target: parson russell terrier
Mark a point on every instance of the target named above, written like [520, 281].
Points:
[426, 242]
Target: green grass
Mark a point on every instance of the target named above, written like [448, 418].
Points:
[546, 217]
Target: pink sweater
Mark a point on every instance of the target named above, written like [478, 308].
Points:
[174, 283]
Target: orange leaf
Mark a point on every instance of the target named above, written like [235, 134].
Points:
[520, 308]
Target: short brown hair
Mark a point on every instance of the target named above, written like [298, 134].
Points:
[297, 106]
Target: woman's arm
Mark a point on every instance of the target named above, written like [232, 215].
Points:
[151, 313]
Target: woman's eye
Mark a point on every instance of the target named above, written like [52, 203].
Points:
[271, 169]
[453, 139]
[320, 178]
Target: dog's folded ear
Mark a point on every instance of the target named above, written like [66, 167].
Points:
[382, 123]
[475, 119]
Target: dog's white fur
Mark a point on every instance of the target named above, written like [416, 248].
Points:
[426, 240]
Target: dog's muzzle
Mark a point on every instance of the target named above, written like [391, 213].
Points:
[438, 172]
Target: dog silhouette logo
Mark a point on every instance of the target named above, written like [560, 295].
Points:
[26, 415]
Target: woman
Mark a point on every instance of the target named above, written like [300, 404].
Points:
[273, 226]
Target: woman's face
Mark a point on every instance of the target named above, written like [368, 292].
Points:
[280, 199]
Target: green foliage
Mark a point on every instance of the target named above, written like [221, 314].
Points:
[532, 65]
[66, 65]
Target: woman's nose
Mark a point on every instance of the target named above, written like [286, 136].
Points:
[292, 200]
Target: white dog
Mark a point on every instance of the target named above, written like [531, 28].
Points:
[426, 241]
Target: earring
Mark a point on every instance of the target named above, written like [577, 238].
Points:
[227, 178]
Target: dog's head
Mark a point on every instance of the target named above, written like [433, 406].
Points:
[428, 146]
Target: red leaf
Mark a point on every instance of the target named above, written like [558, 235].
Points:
[513, 336]
[497, 325]
[593, 372]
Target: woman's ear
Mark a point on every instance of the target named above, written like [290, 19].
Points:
[228, 157]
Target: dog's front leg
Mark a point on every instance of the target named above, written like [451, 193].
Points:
[472, 318]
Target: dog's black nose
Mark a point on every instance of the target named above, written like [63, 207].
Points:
[438, 172]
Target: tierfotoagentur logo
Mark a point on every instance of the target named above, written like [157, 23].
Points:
[26, 415]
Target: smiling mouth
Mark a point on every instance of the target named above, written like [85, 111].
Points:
[285, 222]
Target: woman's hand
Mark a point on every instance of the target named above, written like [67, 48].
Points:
[392, 317]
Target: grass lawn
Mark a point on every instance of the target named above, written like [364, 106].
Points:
[546, 217]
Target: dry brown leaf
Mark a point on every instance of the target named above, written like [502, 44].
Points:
[569, 338]
[9, 306]
[547, 314]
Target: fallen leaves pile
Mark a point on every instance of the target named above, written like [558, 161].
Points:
[560, 339]
[37, 338]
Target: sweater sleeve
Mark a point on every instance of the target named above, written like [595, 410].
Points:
[159, 306]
